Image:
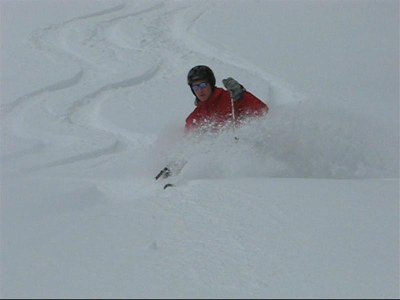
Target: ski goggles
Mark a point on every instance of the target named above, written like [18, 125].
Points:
[200, 86]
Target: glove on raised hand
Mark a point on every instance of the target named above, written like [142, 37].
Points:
[235, 88]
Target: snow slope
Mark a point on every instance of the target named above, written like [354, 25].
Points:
[93, 102]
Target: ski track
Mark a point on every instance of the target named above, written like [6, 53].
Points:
[55, 41]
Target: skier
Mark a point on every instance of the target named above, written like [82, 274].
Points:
[216, 108]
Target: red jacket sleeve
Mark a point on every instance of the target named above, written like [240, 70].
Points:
[250, 106]
[192, 121]
[189, 123]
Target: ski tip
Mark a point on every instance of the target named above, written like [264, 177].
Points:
[168, 185]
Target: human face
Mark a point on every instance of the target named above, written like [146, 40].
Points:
[202, 92]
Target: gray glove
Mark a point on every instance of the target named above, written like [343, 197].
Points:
[235, 88]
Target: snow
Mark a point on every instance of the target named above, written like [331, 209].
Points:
[305, 204]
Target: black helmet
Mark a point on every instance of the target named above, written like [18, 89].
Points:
[201, 73]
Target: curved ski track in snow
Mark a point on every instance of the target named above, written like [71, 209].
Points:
[58, 41]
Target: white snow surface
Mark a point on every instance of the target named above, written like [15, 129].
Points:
[305, 204]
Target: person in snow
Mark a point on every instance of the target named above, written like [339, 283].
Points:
[216, 108]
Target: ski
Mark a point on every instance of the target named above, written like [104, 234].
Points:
[168, 185]
[164, 173]
[172, 170]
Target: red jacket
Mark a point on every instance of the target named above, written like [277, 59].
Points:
[217, 110]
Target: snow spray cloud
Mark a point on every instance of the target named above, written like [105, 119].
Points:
[302, 141]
